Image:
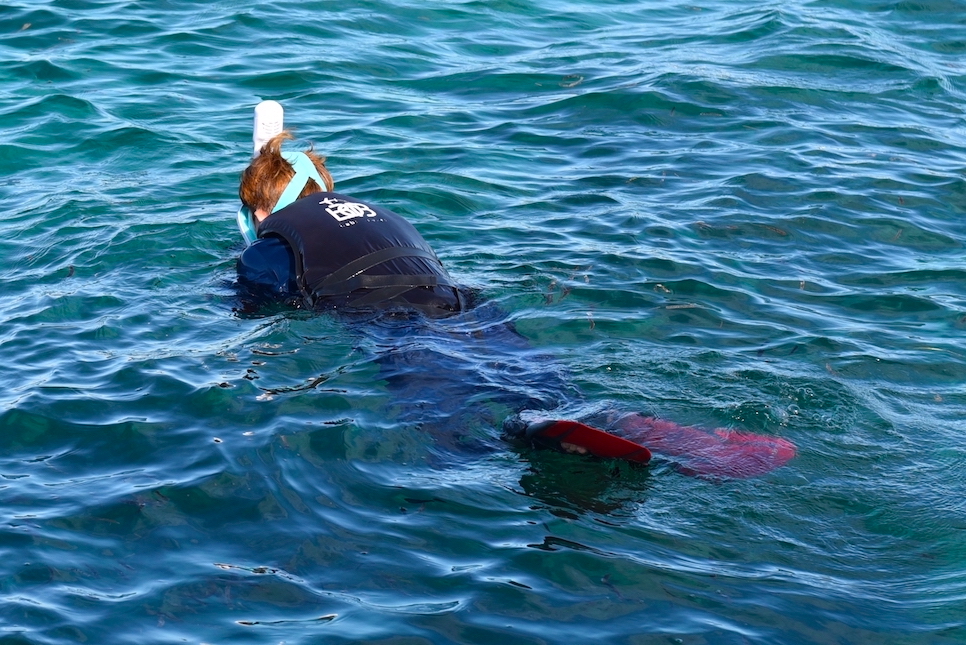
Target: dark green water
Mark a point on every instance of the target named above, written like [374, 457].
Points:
[725, 214]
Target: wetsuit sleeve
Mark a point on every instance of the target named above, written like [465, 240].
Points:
[266, 269]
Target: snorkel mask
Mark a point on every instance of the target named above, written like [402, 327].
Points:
[268, 123]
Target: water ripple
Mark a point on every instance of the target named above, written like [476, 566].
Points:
[729, 216]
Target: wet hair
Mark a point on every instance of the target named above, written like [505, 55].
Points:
[266, 177]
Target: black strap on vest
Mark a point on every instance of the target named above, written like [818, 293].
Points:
[382, 288]
[348, 278]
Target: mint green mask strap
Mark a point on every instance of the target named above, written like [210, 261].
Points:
[304, 170]
[246, 224]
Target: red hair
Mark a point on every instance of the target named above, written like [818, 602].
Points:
[268, 174]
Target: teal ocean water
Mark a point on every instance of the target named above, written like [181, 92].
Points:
[739, 215]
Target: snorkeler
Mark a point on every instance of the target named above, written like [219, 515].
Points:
[316, 248]
[324, 250]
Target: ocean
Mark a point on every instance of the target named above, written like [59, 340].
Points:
[728, 215]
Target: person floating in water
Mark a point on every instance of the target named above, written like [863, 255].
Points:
[315, 248]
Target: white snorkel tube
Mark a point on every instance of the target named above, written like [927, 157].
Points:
[269, 121]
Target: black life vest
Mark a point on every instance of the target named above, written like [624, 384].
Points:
[343, 246]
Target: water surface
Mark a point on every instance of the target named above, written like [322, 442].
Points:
[726, 215]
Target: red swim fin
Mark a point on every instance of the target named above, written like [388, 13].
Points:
[722, 453]
[596, 442]
[719, 454]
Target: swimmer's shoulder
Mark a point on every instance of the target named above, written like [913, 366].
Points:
[265, 252]
[267, 264]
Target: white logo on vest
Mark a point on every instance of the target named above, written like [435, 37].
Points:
[343, 211]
